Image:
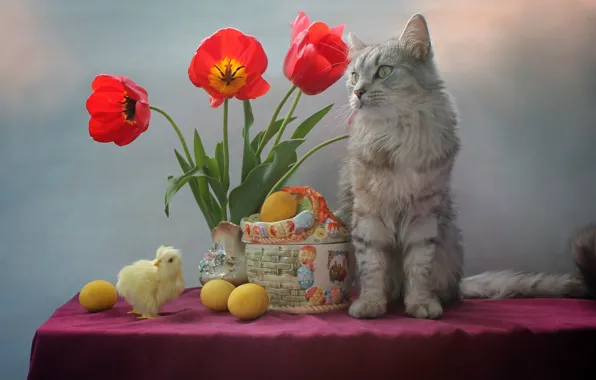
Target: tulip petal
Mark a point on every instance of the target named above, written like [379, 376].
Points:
[105, 106]
[142, 117]
[334, 49]
[107, 81]
[233, 43]
[254, 58]
[192, 72]
[317, 31]
[300, 23]
[228, 42]
[127, 137]
[257, 88]
[338, 30]
[108, 131]
[290, 61]
[309, 72]
[313, 73]
[199, 69]
[296, 52]
[135, 91]
[215, 102]
[119, 84]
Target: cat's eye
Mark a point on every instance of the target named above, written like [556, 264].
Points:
[384, 71]
[354, 77]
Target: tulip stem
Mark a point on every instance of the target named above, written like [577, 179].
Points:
[273, 120]
[182, 140]
[302, 159]
[226, 169]
[286, 120]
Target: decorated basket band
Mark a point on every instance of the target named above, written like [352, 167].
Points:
[313, 223]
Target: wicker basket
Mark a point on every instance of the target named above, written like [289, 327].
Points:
[305, 263]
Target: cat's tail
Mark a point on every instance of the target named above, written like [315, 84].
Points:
[515, 284]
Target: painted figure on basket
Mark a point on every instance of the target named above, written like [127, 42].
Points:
[307, 255]
[260, 229]
[337, 265]
[290, 226]
[321, 233]
[315, 296]
[333, 296]
[333, 229]
[272, 230]
[306, 277]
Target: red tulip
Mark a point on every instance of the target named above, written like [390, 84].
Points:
[119, 110]
[317, 57]
[229, 64]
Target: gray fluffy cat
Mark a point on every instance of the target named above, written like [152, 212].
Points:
[395, 189]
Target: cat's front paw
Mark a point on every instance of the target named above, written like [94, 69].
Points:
[368, 308]
[424, 309]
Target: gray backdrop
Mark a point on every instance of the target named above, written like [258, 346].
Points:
[72, 210]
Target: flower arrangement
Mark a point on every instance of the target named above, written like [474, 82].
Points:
[230, 64]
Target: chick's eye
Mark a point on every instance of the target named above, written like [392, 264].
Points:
[384, 71]
[171, 260]
[355, 77]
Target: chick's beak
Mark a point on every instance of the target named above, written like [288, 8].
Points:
[156, 263]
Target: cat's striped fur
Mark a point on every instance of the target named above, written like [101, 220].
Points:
[395, 187]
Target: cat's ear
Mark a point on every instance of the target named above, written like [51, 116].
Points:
[415, 38]
[355, 43]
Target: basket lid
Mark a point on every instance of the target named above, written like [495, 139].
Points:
[314, 224]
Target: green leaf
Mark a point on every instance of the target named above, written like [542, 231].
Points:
[212, 167]
[308, 124]
[200, 190]
[200, 154]
[212, 170]
[254, 144]
[249, 158]
[217, 188]
[274, 129]
[248, 117]
[176, 183]
[201, 159]
[219, 157]
[246, 199]
[207, 205]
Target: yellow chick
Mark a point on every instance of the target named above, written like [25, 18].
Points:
[147, 284]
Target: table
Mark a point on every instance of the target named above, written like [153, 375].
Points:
[478, 339]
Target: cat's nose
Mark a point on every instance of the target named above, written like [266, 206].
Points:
[359, 93]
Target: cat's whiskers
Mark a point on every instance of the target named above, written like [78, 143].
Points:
[342, 114]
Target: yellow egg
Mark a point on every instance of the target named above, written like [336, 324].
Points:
[278, 206]
[98, 295]
[215, 294]
[248, 301]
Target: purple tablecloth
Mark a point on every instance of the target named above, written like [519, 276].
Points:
[480, 340]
